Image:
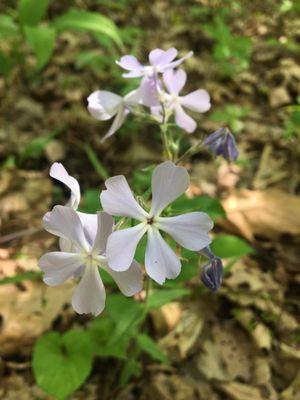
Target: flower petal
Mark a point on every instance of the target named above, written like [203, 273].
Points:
[175, 64]
[160, 260]
[198, 101]
[168, 183]
[64, 222]
[121, 246]
[174, 80]
[129, 282]
[118, 199]
[130, 63]
[58, 171]
[161, 57]
[105, 226]
[189, 230]
[59, 266]
[89, 296]
[117, 123]
[149, 91]
[183, 120]
[103, 105]
[90, 225]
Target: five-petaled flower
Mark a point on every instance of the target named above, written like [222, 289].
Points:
[198, 101]
[83, 259]
[159, 62]
[104, 105]
[189, 230]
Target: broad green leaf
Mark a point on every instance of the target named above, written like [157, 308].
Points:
[160, 297]
[148, 345]
[226, 246]
[31, 12]
[100, 332]
[41, 39]
[131, 368]
[61, 364]
[127, 314]
[8, 27]
[88, 21]
[211, 206]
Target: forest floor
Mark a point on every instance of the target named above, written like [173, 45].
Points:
[242, 343]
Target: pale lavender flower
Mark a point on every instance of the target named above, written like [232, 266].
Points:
[198, 101]
[159, 62]
[189, 230]
[104, 105]
[222, 143]
[83, 260]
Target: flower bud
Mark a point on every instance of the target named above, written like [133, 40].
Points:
[212, 274]
[222, 143]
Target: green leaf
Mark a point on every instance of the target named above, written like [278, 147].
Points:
[226, 246]
[35, 148]
[8, 27]
[100, 332]
[160, 297]
[131, 368]
[126, 313]
[211, 206]
[41, 39]
[89, 21]
[18, 278]
[31, 12]
[148, 345]
[61, 364]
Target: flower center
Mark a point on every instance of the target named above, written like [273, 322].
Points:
[150, 221]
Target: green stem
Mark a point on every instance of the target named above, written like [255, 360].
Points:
[190, 152]
[99, 168]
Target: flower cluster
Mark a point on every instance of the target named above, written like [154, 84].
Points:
[159, 90]
[91, 241]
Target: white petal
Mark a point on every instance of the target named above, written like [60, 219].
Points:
[59, 266]
[117, 123]
[121, 246]
[89, 296]
[105, 226]
[90, 225]
[130, 63]
[58, 171]
[118, 199]
[103, 105]
[198, 101]
[160, 262]
[175, 64]
[183, 120]
[64, 222]
[133, 97]
[174, 80]
[161, 57]
[168, 183]
[189, 230]
[129, 282]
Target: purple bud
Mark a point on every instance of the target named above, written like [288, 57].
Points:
[212, 274]
[222, 143]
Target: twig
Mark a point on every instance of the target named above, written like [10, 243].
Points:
[19, 234]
